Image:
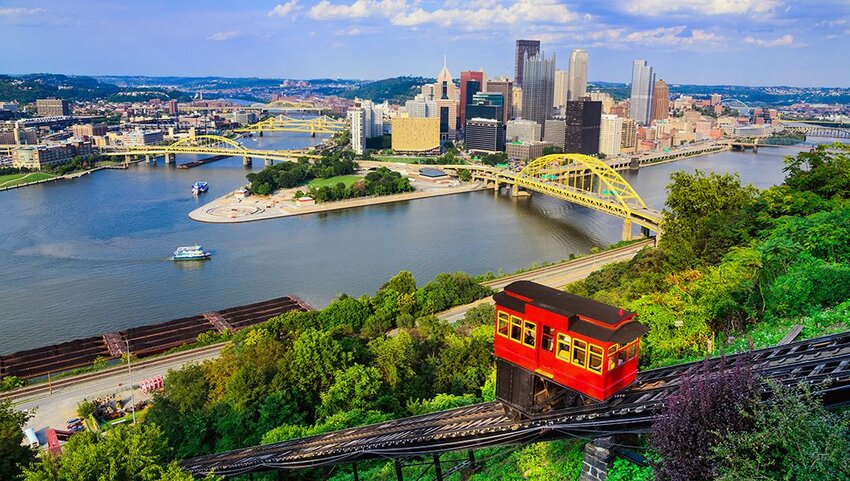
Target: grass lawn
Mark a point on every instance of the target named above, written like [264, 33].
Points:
[348, 180]
[15, 179]
[400, 159]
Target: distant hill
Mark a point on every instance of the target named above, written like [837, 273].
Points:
[28, 88]
[396, 89]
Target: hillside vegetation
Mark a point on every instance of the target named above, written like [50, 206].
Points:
[396, 89]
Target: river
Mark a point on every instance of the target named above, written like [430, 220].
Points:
[87, 256]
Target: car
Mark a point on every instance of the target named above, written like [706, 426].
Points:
[74, 422]
[76, 428]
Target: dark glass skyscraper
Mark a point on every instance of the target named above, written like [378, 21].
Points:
[538, 88]
[524, 48]
[582, 130]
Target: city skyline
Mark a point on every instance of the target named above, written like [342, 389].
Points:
[709, 43]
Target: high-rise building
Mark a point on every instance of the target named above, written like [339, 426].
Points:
[582, 131]
[83, 131]
[523, 131]
[471, 82]
[715, 99]
[628, 137]
[416, 135]
[505, 87]
[606, 99]
[445, 95]
[559, 101]
[486, 105]
[556, 132]
[610, 134]
[643, 80]
[172, 107]
[524, 49]
[138, 137]
[485, 135]
[577, 86]
[538, 88]
[420, 107]
[516, 104]
[660, 100]
[357, 123]
[52, 107]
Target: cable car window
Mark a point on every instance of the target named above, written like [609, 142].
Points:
[516, 329]
[632, 350]
[612, 357]
[579, 352]
[595, 358]
[547, 342]
[563, 351]
[502, 323]
[529, 334]
[621, 357]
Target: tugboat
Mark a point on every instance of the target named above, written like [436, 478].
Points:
[199, 188]
[190, 253]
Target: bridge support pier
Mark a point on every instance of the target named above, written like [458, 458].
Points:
[128, 158]
[246, 161]
[627, 229]
[268, 162]
[147, 158]
[169, 159]
[260, 133]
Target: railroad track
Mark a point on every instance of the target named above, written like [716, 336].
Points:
[823, 361]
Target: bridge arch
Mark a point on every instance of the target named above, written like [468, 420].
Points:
[571, 170]
[197, 140]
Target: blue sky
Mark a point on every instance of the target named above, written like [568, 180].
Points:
[746, 42]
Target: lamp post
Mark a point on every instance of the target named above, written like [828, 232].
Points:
[130, 375]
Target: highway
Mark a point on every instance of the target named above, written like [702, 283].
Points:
[57, 403]
[54, 408]
[557, 275]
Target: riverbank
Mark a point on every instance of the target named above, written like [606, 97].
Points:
[42, 177]
[232, 209]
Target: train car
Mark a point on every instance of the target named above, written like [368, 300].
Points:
[555, 349]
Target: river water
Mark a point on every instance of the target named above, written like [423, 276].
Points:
[83, 257]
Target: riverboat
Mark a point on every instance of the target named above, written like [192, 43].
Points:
[199, 187]
[191, 253]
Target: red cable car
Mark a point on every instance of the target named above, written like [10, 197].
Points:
[555, 349]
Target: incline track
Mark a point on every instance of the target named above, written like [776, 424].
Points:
[823, 361]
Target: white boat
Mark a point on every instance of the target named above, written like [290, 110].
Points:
[199, 187]
[191, 253]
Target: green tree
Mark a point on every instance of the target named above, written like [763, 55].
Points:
[85, 409]
[344, 312]
[134, 452]
[358, 387]
[187, 388]
[316, 356]
[13, 454]
[825, 170]
[706, 214]
[792, 438]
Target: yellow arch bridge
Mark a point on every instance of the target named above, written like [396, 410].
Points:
[212, 145]
[579, 179]
[283, 123]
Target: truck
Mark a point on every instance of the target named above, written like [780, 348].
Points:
[32, 438]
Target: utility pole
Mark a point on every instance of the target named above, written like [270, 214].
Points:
[130, 375]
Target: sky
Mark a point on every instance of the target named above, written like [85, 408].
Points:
[710, 42]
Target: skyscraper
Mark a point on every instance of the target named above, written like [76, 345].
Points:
[538, 88]
[577, 86]
[505, 87]
[643, 80]
[561, 86]
[357, 121]
[471, 82]
[582, 131]
[524, 48]
[610, 135]
[660, 100]
[445, 95]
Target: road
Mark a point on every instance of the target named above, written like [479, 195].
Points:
[556, 276]
[54, 407]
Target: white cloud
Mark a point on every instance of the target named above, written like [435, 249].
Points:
[17, 11]
[222, 36]
[474, 15]
[284, 9]
[782, 41]
[705, 7]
